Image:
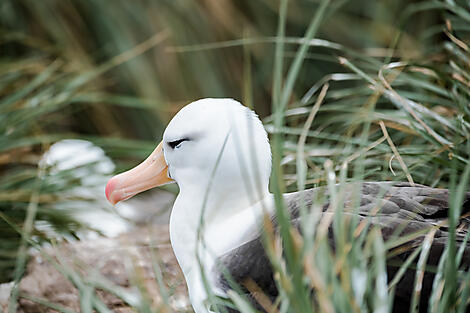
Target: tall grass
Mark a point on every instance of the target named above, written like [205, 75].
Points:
[353, 277]
[382, 96]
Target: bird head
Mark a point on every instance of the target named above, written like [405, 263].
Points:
[208, 142]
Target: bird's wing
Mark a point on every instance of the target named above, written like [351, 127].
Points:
[398, 209]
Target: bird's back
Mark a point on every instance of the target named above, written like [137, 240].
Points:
[397, 209]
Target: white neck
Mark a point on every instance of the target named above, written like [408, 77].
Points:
[230, 219]
[218, 209]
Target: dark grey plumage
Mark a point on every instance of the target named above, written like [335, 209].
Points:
[391, 206]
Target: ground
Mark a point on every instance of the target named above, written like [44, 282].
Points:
[124, 264]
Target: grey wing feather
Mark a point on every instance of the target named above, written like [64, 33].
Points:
[389, 205]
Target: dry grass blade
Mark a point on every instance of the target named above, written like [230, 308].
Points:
[396, 153]
[357, 154]
[404, 102]
[318, 285]
[421, 268]
[260, 296]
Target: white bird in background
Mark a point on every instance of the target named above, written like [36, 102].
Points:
[218, 153]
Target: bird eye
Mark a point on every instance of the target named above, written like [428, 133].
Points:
[176, 143]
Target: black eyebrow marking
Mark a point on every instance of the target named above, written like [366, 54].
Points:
[173, 144]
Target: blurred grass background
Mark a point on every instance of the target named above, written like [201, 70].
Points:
[115, 72]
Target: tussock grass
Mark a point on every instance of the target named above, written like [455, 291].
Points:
[346, 95]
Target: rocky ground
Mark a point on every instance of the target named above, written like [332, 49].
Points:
[120, 273]
[124, 263]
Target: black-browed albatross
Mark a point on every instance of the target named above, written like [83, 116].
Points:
[218, 153]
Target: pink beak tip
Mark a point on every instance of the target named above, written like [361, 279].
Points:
[110, 186]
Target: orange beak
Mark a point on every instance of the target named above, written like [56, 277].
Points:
[150, 173]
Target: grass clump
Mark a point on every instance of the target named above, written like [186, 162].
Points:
[349, 90]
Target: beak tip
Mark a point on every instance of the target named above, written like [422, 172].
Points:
[150, 173]
[110, 187]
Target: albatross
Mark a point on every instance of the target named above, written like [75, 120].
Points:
[218, 153]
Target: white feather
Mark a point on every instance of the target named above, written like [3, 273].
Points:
[223, 171]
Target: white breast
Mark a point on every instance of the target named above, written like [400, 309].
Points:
[218, 236]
